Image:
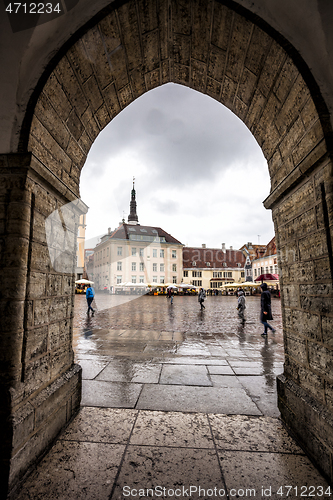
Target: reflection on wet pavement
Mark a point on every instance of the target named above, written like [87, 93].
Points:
[146, 353]
[176, 398]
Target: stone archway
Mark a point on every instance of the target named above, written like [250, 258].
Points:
[223, 51]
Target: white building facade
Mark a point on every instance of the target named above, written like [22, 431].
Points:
[137, 254]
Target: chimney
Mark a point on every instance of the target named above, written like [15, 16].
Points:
[223, 247]
[204, 245]
[109, 230]
[231, 248]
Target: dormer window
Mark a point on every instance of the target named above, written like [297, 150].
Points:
[194, 263]
[224, 264]
[208, 264]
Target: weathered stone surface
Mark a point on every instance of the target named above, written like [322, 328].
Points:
[327, 330]
[296, 348]
[306, 324]
[136, 47]
[36, 343]
[320, 358]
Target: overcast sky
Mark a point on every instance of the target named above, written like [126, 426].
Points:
[199, 173]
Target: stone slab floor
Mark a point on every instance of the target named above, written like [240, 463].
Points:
[177, 403]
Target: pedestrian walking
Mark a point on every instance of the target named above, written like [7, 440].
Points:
[201, 298]
[90, 294]
[266, 310]
[241, 306]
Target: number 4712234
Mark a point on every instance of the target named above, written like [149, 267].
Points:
[33, 8]
[304, 491]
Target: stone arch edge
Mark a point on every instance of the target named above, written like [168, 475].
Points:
[298, 60]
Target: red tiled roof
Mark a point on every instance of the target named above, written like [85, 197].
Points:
[215, 256]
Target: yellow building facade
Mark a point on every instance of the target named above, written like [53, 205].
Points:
[210, 268]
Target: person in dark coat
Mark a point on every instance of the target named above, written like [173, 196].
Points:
[241, 305]
[266, 310]
[201, 298]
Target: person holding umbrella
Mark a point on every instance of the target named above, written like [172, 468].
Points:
[170, 294]
[266, 311]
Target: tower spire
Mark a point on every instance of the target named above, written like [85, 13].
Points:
[133, 218]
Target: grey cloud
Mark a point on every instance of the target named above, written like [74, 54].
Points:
[187, 137]
[186, 142]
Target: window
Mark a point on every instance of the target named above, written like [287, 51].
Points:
[255, 273]
[227, 274]
[154, 268]
[162, 253]
[242, 274]
[194, 274]
[174, 254]
[185, 274]
[208, 264]
[142, 279]
[154, 279]
[154, 252]
[224, 264]
[119, 266]
[120, 251]
[119, 280]
[194, 263]
[107, 251]
[217, 274]
[133, 279]
[199, 274]
[197, 283]
[271, 269]
[161, 268]
[174, 268]
[134, 252]
[141, 252]
[142, 266]
[174, 279]
[162, 280]
[133, 266]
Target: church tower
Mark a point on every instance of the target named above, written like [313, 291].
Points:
[133, 218]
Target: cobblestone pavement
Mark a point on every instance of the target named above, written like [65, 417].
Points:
[177, 403]
[176, 357]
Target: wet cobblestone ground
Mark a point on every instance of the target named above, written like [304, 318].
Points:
[177, 357]
[176, 403]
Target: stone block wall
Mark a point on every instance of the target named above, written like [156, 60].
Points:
[303, 223]
[203, 45]
[40, 385]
